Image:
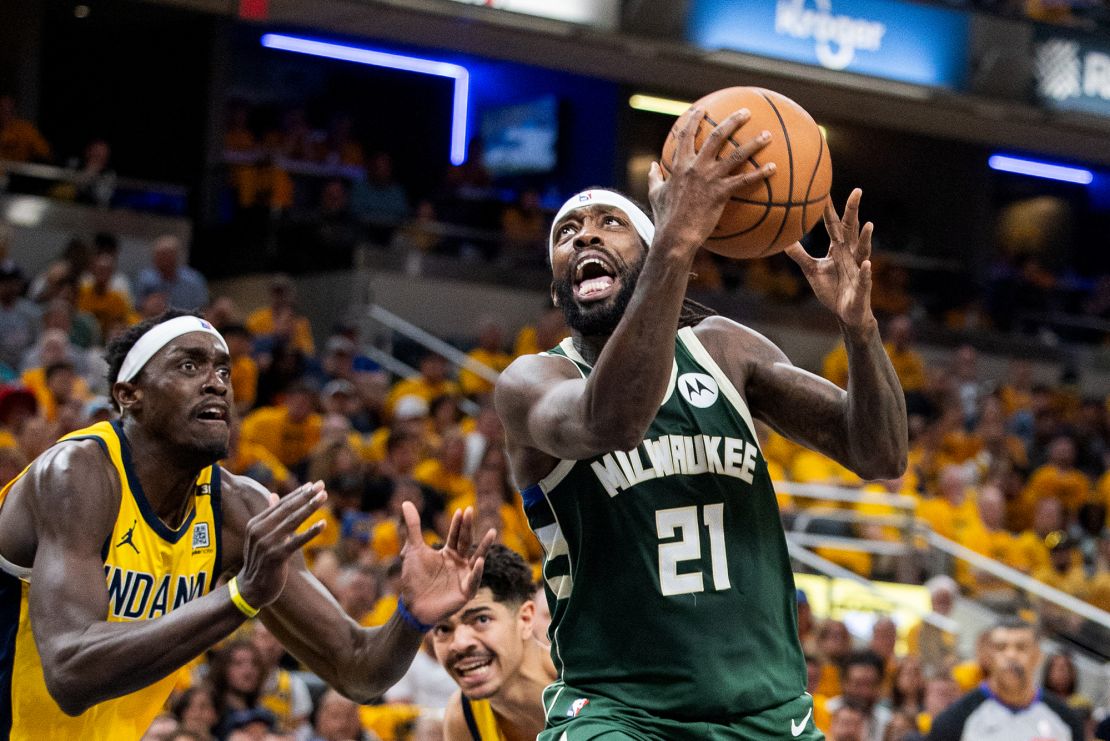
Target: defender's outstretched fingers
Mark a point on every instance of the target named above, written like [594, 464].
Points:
[412, 524]
[466, 532]
[280, 508]
[299, 540]
[297, 517]
[474, 578]
[798, 254]
[484, 545]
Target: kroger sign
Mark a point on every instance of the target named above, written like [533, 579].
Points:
[880, 38]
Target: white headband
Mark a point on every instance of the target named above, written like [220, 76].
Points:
[640, 221]
[158, 337]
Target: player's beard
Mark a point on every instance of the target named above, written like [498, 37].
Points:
[598, 318]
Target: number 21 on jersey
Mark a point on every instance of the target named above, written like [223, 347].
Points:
[684, 523]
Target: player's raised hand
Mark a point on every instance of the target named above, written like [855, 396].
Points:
[272, 538]
[842, 279]
[436, 583]
[690, 200]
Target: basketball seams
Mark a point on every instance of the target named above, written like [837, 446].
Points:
[813, 175]
[790, 159]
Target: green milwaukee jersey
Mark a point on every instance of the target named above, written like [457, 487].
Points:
[666, 566]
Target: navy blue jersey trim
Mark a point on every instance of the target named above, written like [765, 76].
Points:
[532, 495]
[217, 522]
[11, 600]
[149, 515]
[468, 715]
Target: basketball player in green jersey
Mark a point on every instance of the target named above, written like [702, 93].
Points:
[673, 602]
[112, 541]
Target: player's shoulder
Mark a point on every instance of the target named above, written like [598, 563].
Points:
[242, 497]
[532, 371]
[722, 336]
[70, 466]
[454, 720]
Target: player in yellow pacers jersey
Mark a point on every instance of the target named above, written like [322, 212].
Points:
[112, 541]
[490, 649]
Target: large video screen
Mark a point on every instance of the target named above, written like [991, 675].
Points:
[521, 138]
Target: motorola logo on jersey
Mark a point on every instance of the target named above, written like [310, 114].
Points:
[698, 389]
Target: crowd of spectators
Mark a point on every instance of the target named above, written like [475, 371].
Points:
[1010, 468]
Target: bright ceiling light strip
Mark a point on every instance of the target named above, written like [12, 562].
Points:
[671, 107]
[652, 104]
[373, 58]
[1037, 169]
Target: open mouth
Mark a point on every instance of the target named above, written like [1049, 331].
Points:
[214, 413]
[473, 669]
[594, 279]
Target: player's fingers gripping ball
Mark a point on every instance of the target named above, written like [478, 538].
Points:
[779, 210]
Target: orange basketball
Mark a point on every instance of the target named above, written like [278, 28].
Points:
[777, 212]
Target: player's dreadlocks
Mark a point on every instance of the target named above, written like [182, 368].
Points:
[692, 313]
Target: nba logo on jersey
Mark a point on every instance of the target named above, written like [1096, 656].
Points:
[698, 389]
[577, 706]
[200, 535]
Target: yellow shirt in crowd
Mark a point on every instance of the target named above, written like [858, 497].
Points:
[289, 441]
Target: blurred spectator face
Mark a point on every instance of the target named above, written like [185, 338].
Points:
[222, 312]
[814, 668]
[166, 255]
[883, 637]
[337, 718]
[55, 347]
[360, 592]
[405, 490]
[199, 714]
[433, 368]
[244, 675]
[992, 507]
[372, 388]
[848, 724]
[900, 332]
[153, 304]
[909, 679]
[1063, 555]
[861, 684]
[58, 315]
[966, 363]
[940, 692]
[833, 639]
[491, 337]
[953, 485]
[238, 343]
[160, 728]
[97, 154]
[300, 404]
[1015, 654]
[446, 413]
[1061, 452]
[405, 454]
[488, 424]
[268, 646]
[1047, 516]
[340, 400]
[103, 268]
[381, 168]
[1060, 675]
[900, 728]
[453, 453]
[60, 379]
[333, 198]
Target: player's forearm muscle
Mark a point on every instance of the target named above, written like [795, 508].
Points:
[877, 432]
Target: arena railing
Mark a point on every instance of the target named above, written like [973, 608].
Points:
[115, 183]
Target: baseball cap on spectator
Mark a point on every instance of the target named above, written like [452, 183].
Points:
[237, 719]
[339, 344]
[10, 271]
[801, 597]
[410, 406]
[339, 386]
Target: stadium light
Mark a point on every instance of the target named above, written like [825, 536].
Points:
[671, 107]
[405, 63]
[1038, 169]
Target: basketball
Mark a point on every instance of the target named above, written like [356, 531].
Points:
[782, 208]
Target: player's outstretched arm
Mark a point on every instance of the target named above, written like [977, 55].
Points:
[74, 501]
[362, 663]
[864, 428]
[546, 408]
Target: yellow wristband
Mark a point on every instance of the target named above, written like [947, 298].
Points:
[237, 598]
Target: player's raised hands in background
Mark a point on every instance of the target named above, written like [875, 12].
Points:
[436, 583]
[842, 279]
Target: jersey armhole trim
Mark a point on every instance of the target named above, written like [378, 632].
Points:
[688, 338]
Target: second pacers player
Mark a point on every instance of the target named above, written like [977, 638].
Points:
[673, 603]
